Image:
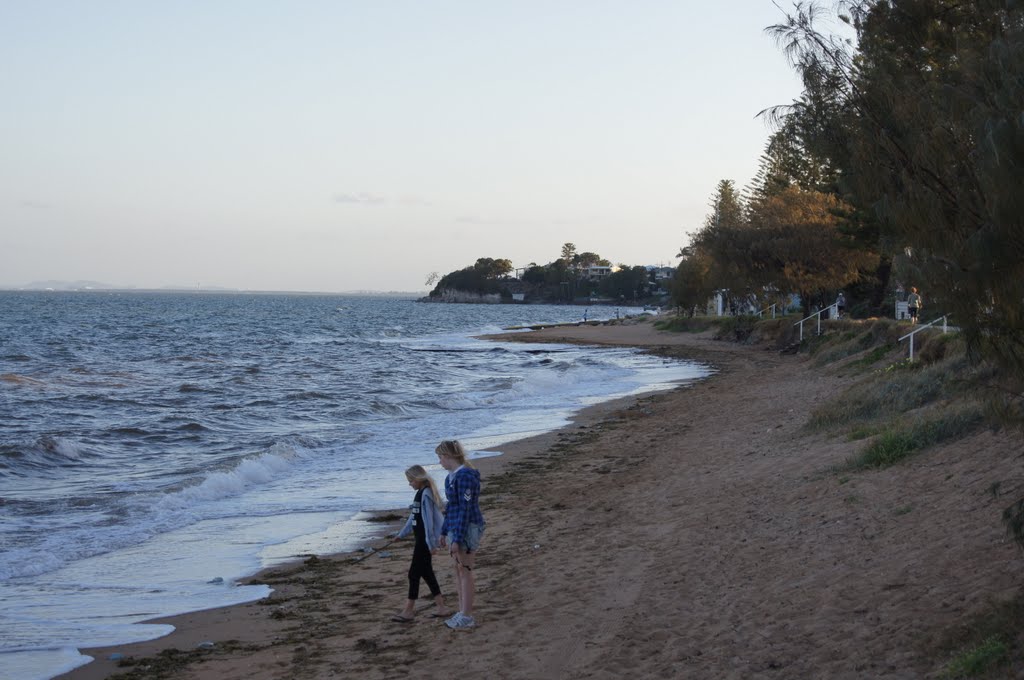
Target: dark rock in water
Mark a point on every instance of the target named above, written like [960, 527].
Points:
[206, 645]
[383, 553]
[116, 656]
[216, 580]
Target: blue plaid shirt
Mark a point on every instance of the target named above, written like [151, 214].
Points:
[462, 488]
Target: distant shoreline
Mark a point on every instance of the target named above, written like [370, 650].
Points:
[214, 291]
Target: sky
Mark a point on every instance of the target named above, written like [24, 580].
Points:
[342, 145]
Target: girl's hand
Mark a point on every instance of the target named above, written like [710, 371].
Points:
[444, 541]
[454, 550]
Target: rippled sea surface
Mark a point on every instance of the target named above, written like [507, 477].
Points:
[155, 448]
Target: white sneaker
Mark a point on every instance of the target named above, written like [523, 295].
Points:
[462, 621]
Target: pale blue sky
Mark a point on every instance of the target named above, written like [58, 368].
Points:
[362, 145]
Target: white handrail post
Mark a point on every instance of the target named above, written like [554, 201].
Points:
[819, 322]
[801, 330]
[911, 346]
[773, 310]
[944, 325]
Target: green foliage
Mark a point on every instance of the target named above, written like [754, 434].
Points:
[493, 269]
[691, 285]
[568, 253]
[872, 356]
[681, 324]
[989, 645]
[480, 278]
[562, 280]
[702, 269]
[589, 259]
[897, 388]
[796, 244]
[736, 328]
[903, 440]
[1013, 520]
[629, 283]
[986, 655]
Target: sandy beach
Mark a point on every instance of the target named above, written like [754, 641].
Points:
[696, 533]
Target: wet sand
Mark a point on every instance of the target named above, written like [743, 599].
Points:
[697, 533]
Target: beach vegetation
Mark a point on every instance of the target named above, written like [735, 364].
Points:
[987, 646]
[982, 657]
[903, 439]
[892, 390]
[685, 324]
[735, 328]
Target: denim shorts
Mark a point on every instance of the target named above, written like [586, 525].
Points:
[471, 541]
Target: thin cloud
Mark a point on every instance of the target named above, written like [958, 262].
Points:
[368, 199]
[360, 198]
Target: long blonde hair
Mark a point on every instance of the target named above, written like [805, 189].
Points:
[416, 473]
[452, 448]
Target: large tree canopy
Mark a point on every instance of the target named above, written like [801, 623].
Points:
[925, 119]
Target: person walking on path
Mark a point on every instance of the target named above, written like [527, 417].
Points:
[463, 526]
[914, 304]
[840, 305]
[424, 523]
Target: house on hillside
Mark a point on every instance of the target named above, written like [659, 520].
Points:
[597, 272]
[659, 273]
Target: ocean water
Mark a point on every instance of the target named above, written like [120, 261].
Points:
[157, 448]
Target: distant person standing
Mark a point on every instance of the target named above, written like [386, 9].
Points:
[840, 305]
[914, 304]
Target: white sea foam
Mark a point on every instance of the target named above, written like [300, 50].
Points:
[40, 664]
[216, 486]
[67, 448]
[149, 518]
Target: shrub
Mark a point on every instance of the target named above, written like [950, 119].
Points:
[986, 655]
[897, 443]
[683, 324]
[897, 388]
[735, 328]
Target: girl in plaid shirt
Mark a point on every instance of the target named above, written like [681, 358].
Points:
[463, 525]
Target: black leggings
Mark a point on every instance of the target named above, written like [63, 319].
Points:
[422, 567]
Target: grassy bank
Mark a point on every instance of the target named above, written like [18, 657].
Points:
[897, 406]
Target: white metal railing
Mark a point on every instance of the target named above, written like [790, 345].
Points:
[771, 307]
[945, 329]
[818, 314]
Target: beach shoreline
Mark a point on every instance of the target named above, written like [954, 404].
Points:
[194, 628]
[696, 532]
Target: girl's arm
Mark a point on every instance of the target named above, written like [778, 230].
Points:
[427, 512]
[407, 528]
